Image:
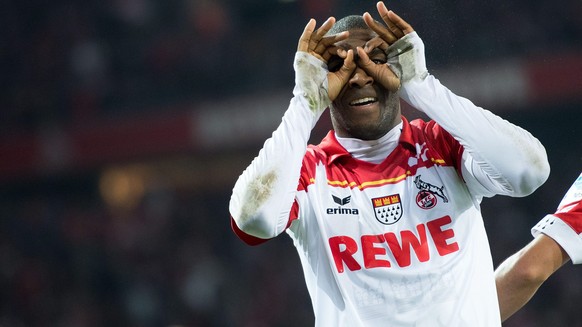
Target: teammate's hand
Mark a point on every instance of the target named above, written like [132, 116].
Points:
[314, 42]
[394, 29]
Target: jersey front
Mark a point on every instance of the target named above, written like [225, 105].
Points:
[400, 243]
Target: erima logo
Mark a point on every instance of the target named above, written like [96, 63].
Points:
[340, 210]
[340, 201]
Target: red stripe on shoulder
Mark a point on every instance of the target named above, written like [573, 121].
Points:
[447, 148]
[312, 157]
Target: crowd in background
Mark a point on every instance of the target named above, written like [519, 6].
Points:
[68, 61]
[66, 259]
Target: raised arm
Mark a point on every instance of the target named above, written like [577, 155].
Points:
[264, 193]
[500, 157]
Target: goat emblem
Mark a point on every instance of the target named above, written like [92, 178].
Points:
[426, 198]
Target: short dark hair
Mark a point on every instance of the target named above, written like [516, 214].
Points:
[347, 23]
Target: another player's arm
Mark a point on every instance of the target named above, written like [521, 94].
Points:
[519, 276]
[558, 238]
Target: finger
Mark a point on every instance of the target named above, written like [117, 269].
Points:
[386, 34]
[374, 43]
[321, 32]
[303, 44]
[329, 41]
[348, 66]
[401, 23]
[329, 52]
[386, 17]
[364, 61]
[382, 74]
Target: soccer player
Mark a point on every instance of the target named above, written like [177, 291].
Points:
[384, 212]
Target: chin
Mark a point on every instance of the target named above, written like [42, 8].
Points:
[367, 134]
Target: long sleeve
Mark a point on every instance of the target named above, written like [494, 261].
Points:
[506, 153]
[264, 193]
[500, 157]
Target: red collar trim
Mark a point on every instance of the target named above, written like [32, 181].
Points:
[334, 150]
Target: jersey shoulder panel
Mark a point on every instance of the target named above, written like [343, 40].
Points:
[439, 140]
[313, 156]
[325, 152]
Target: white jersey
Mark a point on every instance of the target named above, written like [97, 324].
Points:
[402, 242]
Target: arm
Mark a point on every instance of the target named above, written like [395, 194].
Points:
[558, 237]
[499, 157]
[519, 276]
[264, 193]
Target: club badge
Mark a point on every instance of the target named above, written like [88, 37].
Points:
[428, 195]
[388, 209]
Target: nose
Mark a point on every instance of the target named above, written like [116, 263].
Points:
[360, 78]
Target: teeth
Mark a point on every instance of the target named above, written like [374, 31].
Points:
[362, 101]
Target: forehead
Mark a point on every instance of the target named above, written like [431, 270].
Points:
[358, 37]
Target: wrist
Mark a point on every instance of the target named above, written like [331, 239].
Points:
[311, 81]
[406, 58]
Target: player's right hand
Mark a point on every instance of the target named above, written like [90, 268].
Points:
[316, 43]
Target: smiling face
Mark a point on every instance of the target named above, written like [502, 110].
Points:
[364, 109]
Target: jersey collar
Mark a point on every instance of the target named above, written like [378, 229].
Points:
[334, 150]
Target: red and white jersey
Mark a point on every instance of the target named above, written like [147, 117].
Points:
[402, 242]
[565, 225]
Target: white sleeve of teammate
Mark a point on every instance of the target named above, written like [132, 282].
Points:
[500, 157]
[264, 193]
[565, 225]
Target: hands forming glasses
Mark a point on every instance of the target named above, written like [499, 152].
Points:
[343, 63]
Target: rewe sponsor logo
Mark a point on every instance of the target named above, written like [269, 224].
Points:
[340, 210]
[394, 248]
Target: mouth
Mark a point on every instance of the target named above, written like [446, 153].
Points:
[363, 101]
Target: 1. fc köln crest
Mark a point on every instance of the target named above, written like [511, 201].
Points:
[388, 209]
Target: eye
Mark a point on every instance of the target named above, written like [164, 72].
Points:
[378, 57]
[334, 63]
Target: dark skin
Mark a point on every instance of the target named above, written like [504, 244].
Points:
[362, 87]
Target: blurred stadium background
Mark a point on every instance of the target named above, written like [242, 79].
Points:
[124, 124]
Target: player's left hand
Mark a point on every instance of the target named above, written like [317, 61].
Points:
[394, 29]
